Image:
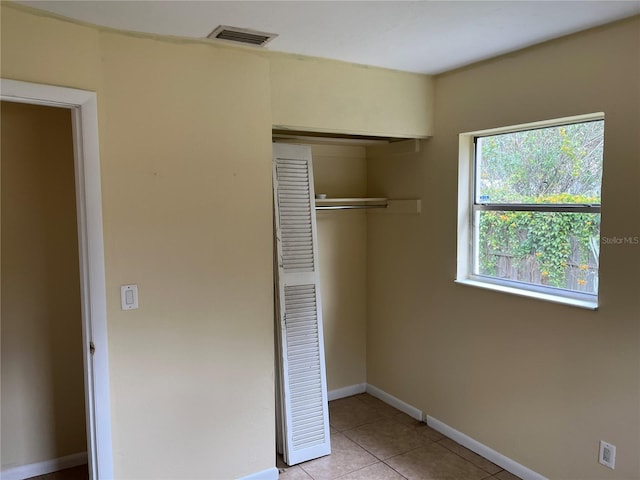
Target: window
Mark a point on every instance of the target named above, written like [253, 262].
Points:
[529, 209]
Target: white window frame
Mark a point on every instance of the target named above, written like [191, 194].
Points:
[466, 212]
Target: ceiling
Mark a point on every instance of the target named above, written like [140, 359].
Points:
[416, 36]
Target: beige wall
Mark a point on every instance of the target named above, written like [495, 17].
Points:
[318, 95]
[340, 171]
[185, 144]
[187, 216]
[538, 382]
[42, 380]
[38, 49]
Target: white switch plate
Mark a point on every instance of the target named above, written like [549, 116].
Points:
[607, 455]
[129, 297]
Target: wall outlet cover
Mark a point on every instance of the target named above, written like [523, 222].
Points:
[607, 455]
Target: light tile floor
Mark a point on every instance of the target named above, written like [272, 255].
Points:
[371, 440]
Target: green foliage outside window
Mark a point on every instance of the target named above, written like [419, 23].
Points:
[558, 165]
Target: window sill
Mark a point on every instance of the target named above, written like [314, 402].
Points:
[574, 302]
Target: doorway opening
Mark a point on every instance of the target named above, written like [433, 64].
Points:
[86, 224]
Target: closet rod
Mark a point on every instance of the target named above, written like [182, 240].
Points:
[347, 207]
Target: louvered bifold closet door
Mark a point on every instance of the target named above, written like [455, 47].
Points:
[304, 416]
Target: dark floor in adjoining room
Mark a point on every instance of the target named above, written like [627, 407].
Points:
[81, 472]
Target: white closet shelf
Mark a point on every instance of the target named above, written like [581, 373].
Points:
[352, 203]
[381, 203]
[351, 200]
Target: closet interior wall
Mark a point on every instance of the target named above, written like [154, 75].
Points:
[341, 171]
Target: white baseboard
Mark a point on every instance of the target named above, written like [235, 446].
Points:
[484, 451]
[268, 474]
[347, 391]
[395, 402]
[42, 468]
[459, 437]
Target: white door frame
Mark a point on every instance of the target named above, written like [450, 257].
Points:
[84, 114]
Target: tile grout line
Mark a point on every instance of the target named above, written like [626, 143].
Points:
[422, 424]
[380, 460]
[416, 448]
[367, 466]
[466, 459]
[384, 461]
[394, 469]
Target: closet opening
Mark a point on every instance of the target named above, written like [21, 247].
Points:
[342, 201]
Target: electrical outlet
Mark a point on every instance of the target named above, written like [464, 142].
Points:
[607, 455]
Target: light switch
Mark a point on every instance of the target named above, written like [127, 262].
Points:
[129, 297]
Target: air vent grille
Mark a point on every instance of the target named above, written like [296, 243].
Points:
[241, 35]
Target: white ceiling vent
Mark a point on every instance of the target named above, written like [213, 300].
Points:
[241, 35]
